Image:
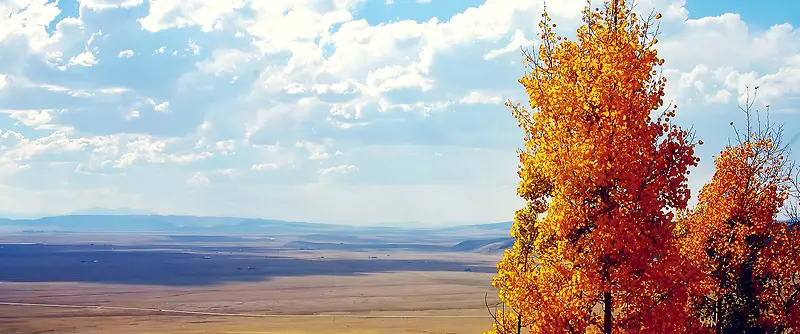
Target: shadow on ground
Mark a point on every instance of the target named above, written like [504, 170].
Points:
[104, 264]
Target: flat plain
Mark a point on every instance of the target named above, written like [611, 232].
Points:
[94, 283]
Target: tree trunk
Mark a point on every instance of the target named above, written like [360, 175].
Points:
[607, 312]
[717, 310]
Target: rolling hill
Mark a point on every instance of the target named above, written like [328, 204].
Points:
[121, 223]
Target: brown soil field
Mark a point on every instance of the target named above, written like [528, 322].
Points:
[248, 290]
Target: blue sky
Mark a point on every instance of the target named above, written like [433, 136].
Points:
[345, 111]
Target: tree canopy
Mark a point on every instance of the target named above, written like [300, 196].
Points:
[605, 242]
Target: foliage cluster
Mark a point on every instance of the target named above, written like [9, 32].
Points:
[606, 242]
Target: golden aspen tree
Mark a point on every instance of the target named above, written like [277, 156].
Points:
[746, 259]
[602, 171]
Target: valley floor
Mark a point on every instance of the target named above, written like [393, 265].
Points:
[416, 299]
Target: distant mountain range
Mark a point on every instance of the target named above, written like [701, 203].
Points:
[82, 212]
[118, 222]
[112, 212]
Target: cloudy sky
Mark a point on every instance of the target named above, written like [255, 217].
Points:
[347, 111]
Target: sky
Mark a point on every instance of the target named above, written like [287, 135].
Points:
[340, 111]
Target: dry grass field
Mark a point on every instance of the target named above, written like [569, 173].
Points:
[236, 288]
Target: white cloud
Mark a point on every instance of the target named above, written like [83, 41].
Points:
[132, 114]
[125, 53]
[225, 147]
[113, 90]
[341, 169]
[315, 151]
[167, 14]
[30, 117]
[476, 97]
[226, 61]
[85, 59]
[109, 4]
[517, 42]
[153, 151]
[18, 148]
[264, 167]
[8, 168]
[396, 77]
[295, 88]
[27, 19]
[744, 59]
[162, 107]
[193, 48]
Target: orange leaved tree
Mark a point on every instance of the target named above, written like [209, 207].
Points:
[602, 172]
[746, 259]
